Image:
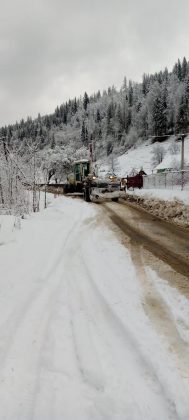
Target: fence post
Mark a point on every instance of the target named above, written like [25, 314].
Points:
[45, 196]
[182, 180]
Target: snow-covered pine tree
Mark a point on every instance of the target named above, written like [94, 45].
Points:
[85, 101]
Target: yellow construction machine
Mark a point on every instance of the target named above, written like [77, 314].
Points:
[83, 180]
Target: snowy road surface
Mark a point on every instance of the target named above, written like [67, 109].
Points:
[87, 332]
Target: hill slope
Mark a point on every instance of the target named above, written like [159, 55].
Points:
[141, 156]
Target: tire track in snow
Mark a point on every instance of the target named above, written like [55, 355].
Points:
[8, 329]
[158, 312]
[115, 382]
[112, 328]
[32, 320]
[18, 375]
[74, 304]
[154, 306]
[85, 353]
[157, 236]
[128, 344]
[163, 386]
[68, 249]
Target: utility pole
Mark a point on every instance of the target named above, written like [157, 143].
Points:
[181, 138]
[182, 161]
[46, 182]
[182, 151]
[91, 151]
[45, 196]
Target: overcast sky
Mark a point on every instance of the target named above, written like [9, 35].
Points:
[51, 50]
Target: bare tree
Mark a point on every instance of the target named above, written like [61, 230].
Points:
[13, 183]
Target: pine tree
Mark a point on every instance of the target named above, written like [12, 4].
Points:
[165, 74]
[187, 87]
[65, 113]
[83, 133]
[98, 95]
[53, 143]
[98, 116]
[157, 117]
[119, 121]
[124, 88]
[179, 70]
[130, 94]
[86, 137]
[175, 69]
[57, 112]
[129, 120]
[100, 134]
[85, 101]
[109, 118]
[164, 95]
[184, 70]
[74, 106]
[145, 85]
[182, 117]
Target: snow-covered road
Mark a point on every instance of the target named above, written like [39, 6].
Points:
[78, 340]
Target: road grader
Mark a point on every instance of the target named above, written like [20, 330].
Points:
[83, 180]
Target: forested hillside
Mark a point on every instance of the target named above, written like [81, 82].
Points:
[113, 120]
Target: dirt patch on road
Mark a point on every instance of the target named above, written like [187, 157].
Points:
[166, 241]
[161, 247]
[157, 310]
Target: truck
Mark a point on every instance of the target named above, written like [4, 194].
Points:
[83, 180]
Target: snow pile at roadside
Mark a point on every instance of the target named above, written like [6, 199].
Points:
[161, 194]
[176, 302]
[11, 224]
[174, 210]
[8, 227]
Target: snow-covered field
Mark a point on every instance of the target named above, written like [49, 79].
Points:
[76, 342]
[140, 157]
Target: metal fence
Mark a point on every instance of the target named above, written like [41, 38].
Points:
[175, 180]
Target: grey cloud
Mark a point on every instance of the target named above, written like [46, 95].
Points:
[50, 50]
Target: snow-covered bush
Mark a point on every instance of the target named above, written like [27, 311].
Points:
[132, 137]
[174, 148]
[82, 153]
[158, 154]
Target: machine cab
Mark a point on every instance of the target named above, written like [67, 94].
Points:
[81, 170]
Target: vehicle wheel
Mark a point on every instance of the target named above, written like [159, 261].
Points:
[66, 189]
[87, 195]
[115, 199]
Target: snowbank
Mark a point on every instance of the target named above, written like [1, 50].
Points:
[162, 194]
[163, 203]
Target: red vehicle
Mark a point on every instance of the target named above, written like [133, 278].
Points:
[135, 181]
